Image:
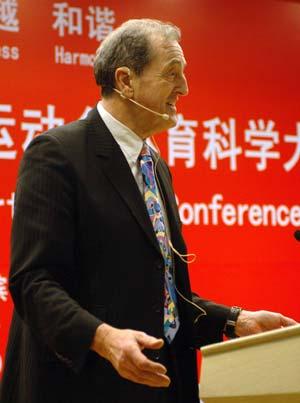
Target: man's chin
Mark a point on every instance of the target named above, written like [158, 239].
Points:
[173, 119]
[166, 124]
[171, 122]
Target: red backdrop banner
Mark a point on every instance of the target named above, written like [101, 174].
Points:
[234, 155]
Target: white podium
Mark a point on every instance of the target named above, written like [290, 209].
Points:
[262, 368]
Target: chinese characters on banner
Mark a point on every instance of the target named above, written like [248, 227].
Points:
[221, 143]
[181, 142]
[33, 123]
[71, 20]
[8, 16]
[68, 20]
[95, 22]
[9, 22]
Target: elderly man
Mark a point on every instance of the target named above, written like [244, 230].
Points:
[103, 307]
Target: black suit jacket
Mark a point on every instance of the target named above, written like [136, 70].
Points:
[84, 251]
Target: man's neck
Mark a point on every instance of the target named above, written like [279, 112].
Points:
[128, 115]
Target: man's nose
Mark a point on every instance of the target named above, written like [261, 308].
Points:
[183, 88]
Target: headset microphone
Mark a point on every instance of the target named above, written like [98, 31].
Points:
[165, 116]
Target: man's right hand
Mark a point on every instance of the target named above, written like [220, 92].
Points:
[123, 348]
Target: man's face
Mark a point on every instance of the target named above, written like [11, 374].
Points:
[160, 84]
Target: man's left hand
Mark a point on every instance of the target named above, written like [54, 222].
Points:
[250, 322]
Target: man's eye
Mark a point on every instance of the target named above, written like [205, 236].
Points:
[172, 74]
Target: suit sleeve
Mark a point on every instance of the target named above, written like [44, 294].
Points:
[208, 327]
[44, 277]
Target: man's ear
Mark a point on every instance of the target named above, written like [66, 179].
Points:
[123, 81]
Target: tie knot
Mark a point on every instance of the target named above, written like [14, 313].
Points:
[145, 151]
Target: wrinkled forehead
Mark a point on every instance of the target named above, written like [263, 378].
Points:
[167, 52]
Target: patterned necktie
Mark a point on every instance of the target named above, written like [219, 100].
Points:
[171, 318]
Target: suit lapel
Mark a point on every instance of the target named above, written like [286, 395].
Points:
[114, 165]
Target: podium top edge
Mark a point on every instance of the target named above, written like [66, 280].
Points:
[247, 341]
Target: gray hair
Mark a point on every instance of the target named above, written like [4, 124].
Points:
[129, 45]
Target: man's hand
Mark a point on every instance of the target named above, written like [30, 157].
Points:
[260, 321]
[123, 348]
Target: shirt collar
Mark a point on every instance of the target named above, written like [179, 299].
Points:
[130, 143]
